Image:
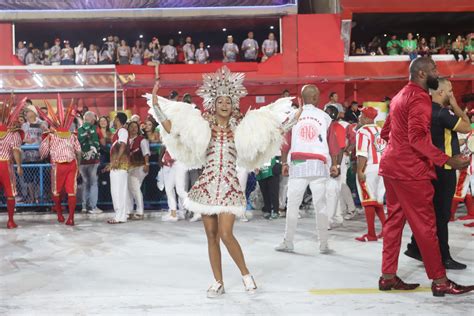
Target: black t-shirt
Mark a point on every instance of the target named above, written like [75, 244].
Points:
[443, 136]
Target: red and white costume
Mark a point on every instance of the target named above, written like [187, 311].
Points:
[371, 191]
[62, 147]
[464, 186]
[309, 157]
[9, 142]
[370, 145]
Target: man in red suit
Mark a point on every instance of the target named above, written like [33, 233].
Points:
[407, 166]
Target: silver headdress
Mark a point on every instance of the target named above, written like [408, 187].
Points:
[222, 83]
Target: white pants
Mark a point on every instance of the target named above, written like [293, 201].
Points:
[175, 182]
[296, 190]
[283, 191]
[135, 180]
[333, 190]
[373, 190]
[119, 192]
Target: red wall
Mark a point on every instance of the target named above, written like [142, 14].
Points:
[6, 48]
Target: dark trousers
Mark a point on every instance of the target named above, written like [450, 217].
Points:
[270, 188]
[444, 188]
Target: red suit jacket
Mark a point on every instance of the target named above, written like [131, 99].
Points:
[410, 154]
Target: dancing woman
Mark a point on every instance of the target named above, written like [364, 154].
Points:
[219, 139]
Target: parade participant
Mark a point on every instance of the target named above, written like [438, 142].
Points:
[119, 156]
[11, 137]
[369, 149]
[445, 123]
[306, 160]
[219, 141]
[138, 168]
[65, 152]
[407, 169]
[174, 177]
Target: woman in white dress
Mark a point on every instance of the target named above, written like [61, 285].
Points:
[219, 139]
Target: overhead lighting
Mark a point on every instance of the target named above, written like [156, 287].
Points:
[208, 46]
[449, 34]
[103, 39]
[79, 79]
[272, 27]
[417, 34]
[38, 79]
[224, 30]
[141, 36]
[24, 42]
[179, 32]
[385, 35]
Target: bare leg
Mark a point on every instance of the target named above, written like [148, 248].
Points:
[226, 226]
[211, 228]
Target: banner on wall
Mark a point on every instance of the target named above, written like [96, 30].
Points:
[134, 4]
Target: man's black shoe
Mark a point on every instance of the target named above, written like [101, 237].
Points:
[413, 254]
[451, 264]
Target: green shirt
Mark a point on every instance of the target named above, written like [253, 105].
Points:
[393, 47]
[89, 140]
[267, 170]
[409, 45]
[470, 47]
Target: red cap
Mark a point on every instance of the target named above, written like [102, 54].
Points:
[370, 112]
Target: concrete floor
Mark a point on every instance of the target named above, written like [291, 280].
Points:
[155, 268]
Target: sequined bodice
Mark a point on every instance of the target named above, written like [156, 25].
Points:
[218, 184]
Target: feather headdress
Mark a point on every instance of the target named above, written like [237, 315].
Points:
[222, 83]
[60, 121]
[9, 115]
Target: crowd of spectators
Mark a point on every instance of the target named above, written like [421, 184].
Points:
[462, 48]
[117, 51]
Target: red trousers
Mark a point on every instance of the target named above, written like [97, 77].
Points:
[7, 179]
[64, 175]
[411, 201]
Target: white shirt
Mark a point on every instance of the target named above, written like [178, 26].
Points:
[230, 51]
[122, 135]
[369, 144]
[81, 53]
[250, 47]
[269, 47]
[309, 137]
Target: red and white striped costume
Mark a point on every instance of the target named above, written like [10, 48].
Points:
[370, 145]
[62, 147]
[11, 141]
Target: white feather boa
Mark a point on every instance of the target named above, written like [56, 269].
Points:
[258, 137]
[190, 132]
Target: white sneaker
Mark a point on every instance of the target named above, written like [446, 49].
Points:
[169, 218]
[96, 211]
[325, 250]
[249, 284]
[84, 210]
[285, 246]
[244, 218]
[196, 217]
[350, 215]
[216, 290]
[181, 215]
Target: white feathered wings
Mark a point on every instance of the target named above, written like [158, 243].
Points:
[190, 132]
[259, 136]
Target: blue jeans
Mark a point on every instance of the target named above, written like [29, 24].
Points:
[90, 189]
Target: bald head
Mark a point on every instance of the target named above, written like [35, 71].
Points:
[310, 94]
[420, 64]
[423, 71]
[442, 94]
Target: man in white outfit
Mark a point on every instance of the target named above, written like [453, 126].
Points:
[118, 170]
[306, 160]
